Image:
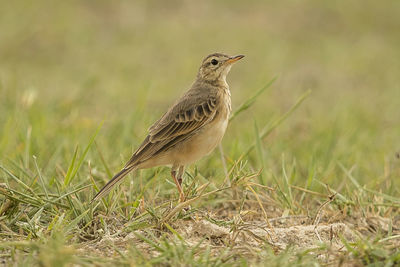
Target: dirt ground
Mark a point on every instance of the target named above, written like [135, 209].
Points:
[324, 235]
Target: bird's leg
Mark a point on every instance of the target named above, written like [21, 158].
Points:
[181, 171]
[174, 173]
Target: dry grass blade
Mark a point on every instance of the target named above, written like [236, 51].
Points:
[309, 191]
[262, 207]
[182, 205]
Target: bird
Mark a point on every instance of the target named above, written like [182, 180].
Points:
[190, 129]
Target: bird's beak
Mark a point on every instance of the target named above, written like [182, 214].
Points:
[234, 59]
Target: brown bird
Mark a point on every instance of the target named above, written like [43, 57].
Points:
[190, 129]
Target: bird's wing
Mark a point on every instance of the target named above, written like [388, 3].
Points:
[184, 119]
[180, 122]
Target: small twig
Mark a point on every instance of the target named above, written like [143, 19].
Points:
[317, 216]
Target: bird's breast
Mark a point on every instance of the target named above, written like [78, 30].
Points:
[206, 139]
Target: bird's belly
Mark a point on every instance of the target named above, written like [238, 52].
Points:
[201, 144]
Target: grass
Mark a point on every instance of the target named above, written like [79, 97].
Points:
[308, 171]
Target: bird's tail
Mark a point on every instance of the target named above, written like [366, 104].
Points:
[106, 189]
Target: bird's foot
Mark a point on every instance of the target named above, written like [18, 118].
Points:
[182, 197]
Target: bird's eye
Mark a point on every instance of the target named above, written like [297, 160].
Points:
[214, 61]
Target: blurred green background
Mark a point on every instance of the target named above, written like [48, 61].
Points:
[65, 66]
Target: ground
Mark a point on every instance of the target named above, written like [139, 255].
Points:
[308, 172]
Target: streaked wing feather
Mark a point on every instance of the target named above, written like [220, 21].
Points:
[176, 125]
[184, 122]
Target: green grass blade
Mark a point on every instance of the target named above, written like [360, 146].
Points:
[27, 146]
[174, 232]
[109, 173]
[74, 222]
[40, 177]
[148, 241]
[82, 158]
[348, 174]
[286, 184]
[249, 102]
[266, 131]
[16, 179]
[260, 152]
[271, 126]
[71, 167]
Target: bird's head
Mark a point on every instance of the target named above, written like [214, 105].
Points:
[215, 67]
